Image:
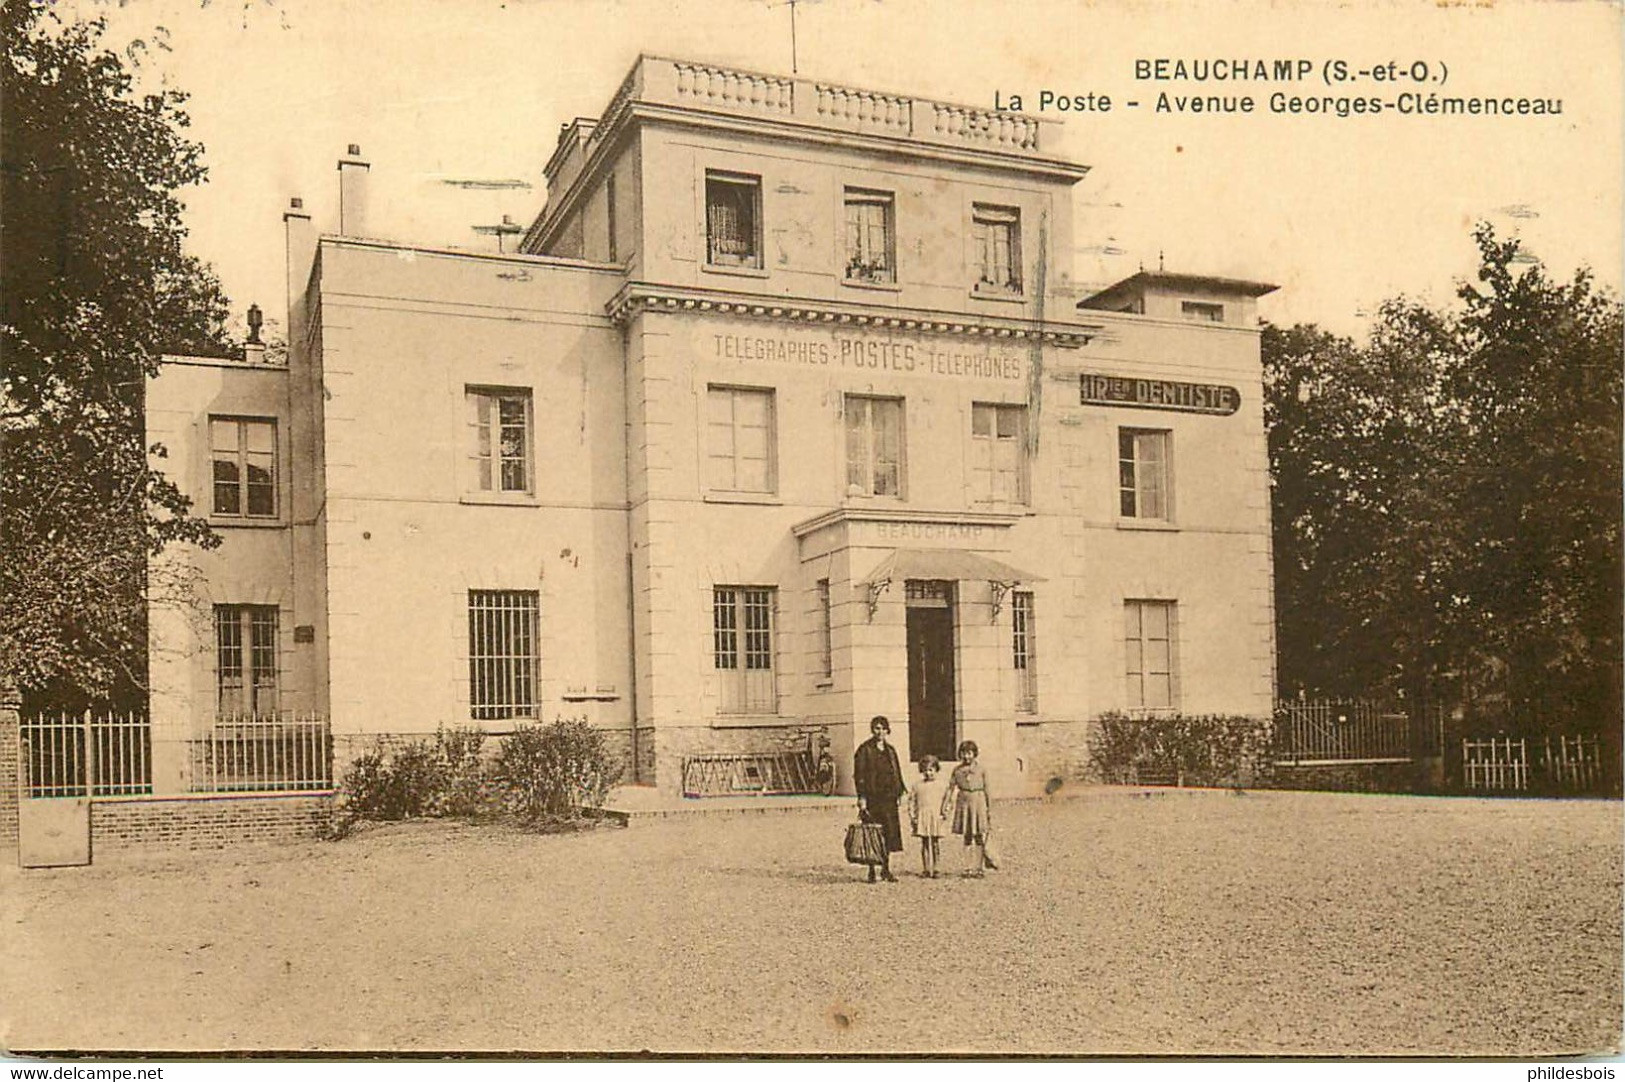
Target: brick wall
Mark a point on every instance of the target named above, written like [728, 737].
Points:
[1355, 777]
[1052, 750]
[347, 747]
[10, 780]
[620, 743]
[121, 826]
[674, 744]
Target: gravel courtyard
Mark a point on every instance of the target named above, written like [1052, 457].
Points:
[1173, 924]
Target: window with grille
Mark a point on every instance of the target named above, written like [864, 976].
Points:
[874, 446]
[245, 659]
[739, 441]
[502, 653]
[244, 454]
[870, 248]
[1143, 475]
[826, 642]
[998, 453]
[733, 220]
[1202, 310]
[996, 234]
[1149, 628]
[500, 424]
[1024, 647]
[742, 648]
[612, 255]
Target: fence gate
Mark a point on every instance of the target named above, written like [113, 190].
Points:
[66, 760]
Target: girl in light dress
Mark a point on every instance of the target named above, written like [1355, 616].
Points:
[967, 792]
[927, 803]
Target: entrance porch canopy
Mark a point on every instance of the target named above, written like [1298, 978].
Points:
[951, 564]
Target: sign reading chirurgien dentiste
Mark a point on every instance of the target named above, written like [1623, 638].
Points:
[1159, 394]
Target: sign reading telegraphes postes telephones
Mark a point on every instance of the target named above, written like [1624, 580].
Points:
[1159, 394]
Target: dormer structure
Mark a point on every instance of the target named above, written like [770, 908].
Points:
[1194, 297]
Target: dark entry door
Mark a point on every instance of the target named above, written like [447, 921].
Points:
[931, 682]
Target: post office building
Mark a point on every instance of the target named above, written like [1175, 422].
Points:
[787, 412]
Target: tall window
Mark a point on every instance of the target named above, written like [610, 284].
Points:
[500, 422]
[742, 648]
[739, 440]
[870, 248]
[1024, 647]
[998, 453]
[1149, 636]
[733, 220]
[244, 453]
[502, 653]
[609, 215]
[996, 232]
[245, 659]
[1142, 473]
[874, 446]
[826, 641]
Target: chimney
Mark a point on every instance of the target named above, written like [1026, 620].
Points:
[301, 254]
[353, 193]
[254, 349]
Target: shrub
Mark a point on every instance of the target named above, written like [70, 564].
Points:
[415, 778]
[465, 788]
[1203, 751]
[553, 773]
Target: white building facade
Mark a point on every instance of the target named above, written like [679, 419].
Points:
[786, 414]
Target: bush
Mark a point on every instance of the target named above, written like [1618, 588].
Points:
[1201, 751]
[553, 773]
[416, 778]
[465, 788]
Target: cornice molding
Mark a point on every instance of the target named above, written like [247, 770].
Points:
[637, 297]
[998, 519]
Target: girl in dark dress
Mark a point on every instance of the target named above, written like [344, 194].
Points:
[878, 778]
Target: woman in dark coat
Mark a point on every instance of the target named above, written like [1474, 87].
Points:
[878, 778]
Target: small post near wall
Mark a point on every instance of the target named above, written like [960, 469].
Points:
[11, 766]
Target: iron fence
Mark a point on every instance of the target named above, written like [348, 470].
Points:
[263, 753]
[1341, 730]
[88, 754]
[1560, 763]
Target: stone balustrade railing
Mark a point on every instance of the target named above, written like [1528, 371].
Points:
[718, 89]
[722, 88]
[864, 110]
[985, 126]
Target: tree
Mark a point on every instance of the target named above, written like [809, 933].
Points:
[1447, 498]
[95, 287]
[1539, 385]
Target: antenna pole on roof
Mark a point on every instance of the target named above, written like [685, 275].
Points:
[791, 4]
[793, 68]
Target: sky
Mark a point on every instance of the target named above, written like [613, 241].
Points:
[1341, 212]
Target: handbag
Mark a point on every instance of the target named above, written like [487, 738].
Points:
[990, 852]
[865, 844]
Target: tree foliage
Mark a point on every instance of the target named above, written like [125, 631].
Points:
[1447, 498]
[95, 286]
